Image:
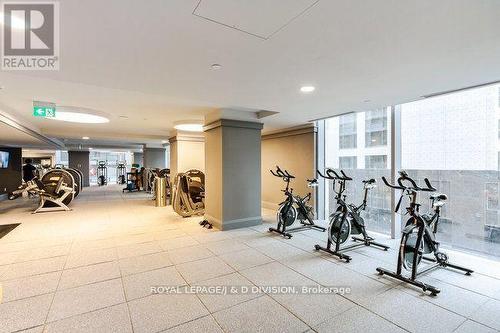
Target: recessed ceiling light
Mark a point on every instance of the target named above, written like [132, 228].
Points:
[216, 66]
[85, 137]
[307, 89]
[124, 117]
[367, 101]
[75, 117]
[189, 127]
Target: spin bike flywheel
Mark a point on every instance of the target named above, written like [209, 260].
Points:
[336, 225]
[286, 218]
[408, 244]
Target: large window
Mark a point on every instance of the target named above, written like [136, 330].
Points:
[347, 131]
[376, 128]
[376, 162]
[452, 139]
[361, 161]
[348, 162]
[112, 160]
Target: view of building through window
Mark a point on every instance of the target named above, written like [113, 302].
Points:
[451, 139]
[370, 158]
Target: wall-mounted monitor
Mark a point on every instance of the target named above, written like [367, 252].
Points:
[4, 159]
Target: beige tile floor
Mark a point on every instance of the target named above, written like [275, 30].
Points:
[92, 269]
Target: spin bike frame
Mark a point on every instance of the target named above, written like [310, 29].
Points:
[289, 202]
[424, 233]
[346, 210]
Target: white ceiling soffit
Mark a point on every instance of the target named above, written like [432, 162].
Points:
[9, 136]
[259, 18]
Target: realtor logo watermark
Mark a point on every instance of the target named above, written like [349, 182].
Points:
[30, 35]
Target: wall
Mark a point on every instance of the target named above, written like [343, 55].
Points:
[138, 159]
[193, 155]
[213, 174]
[11, 178]
[293, 150]
[80, 160]
[187, 152]
[154, 158]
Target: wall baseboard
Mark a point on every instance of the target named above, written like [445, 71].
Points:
[234, 224]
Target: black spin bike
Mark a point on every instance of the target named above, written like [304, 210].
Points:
[419, 235]
[294, 208]
[347, 220]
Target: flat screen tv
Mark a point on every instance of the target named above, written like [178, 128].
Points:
[4, 159]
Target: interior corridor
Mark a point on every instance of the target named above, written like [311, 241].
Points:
[93, 268]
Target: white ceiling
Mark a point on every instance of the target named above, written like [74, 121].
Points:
[150, 60]
[10, 136]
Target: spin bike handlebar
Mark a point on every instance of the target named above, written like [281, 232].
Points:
[332, 175]
[414, 187]
[282, 174]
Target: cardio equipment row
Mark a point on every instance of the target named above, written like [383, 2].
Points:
[418, 239]
[56, 188]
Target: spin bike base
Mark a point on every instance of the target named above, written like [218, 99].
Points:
[424, 286]
[340, 252]
[288, 232]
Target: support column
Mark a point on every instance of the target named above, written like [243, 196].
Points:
[233, 172]
[11, 177]
[154, 158]
[80, 160]
[187, 151]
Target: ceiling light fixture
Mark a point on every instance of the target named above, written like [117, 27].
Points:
[307, 89]
[76, 117]
[189, 127]
[124, 117]
[85, 138]
[216, 66]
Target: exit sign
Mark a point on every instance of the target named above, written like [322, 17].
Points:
[44, 109]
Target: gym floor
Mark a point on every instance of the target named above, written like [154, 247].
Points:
[92, 269]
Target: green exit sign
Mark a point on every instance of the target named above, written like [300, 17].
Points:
[46, 110]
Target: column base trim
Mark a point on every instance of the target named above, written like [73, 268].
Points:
[234, 224]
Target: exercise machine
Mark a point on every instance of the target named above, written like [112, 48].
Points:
[121, 170]
[419, 235]
[347, 220]
[132, 180]
[29, 187]
[102, 173]
[188, 193]
[294, 208]
[56, 191]
[78, 179]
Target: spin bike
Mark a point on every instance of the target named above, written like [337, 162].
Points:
[294, 208]
[347, 220]
[419, 235]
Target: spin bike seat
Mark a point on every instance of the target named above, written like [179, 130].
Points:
[439, 196]
[370, 183]
[312, 182]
